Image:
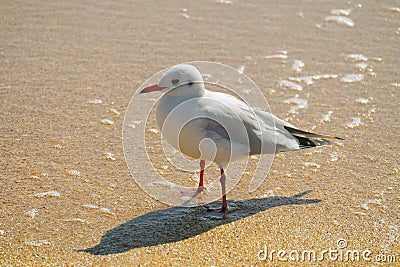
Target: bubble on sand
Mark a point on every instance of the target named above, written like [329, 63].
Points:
[394, 9]
[362, 66]
[73, 173]
[34, 177]
[312, 152]
[95, 101]
[52, 193]
[58, 146]
[344, 12]
[279, 55]
[365, 205]
[283, 52]
[396, 85]
[106, 210]
[334, 157]
[32, 213]
[311, 78]
[341, 20]
[134, 123]
[290, 85]
[276, 56]
[153, 131]
[326, 117]
[354, 123]
[299, 104]
[377, 59]
[107, 122]
[165, 167]
[351, 78]
[224, 2]
[186, 16]
[114, 111]
[37, 243]
[95, 207]
[305, 79]
[356, 57]
[325, 76]
[267, 194]
[109, 156]
[311, 164]
[361, 100]
[369, 114]
[298, 65]
[90, 206]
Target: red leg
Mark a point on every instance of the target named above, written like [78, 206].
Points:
[224, 207]
[201, 188]
[202, 166]
[221, 213]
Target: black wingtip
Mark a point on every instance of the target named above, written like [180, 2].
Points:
[302, 133]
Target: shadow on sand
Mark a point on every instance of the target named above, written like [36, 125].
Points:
[175, 224]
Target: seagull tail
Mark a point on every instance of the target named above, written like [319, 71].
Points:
[307, 139]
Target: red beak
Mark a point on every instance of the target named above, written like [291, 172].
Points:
[152, 88]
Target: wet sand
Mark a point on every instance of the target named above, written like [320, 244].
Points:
[64, 201]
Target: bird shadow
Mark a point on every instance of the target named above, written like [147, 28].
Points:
[179, 223]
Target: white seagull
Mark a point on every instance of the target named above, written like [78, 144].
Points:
[218, 127]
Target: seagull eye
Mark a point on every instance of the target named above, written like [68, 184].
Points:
[175, 81]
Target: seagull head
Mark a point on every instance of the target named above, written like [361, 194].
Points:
[179, 80]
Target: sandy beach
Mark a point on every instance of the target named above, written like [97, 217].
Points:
[68, 71]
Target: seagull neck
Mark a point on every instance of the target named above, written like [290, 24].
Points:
[186, 96]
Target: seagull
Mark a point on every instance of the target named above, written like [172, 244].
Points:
[218, 127]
